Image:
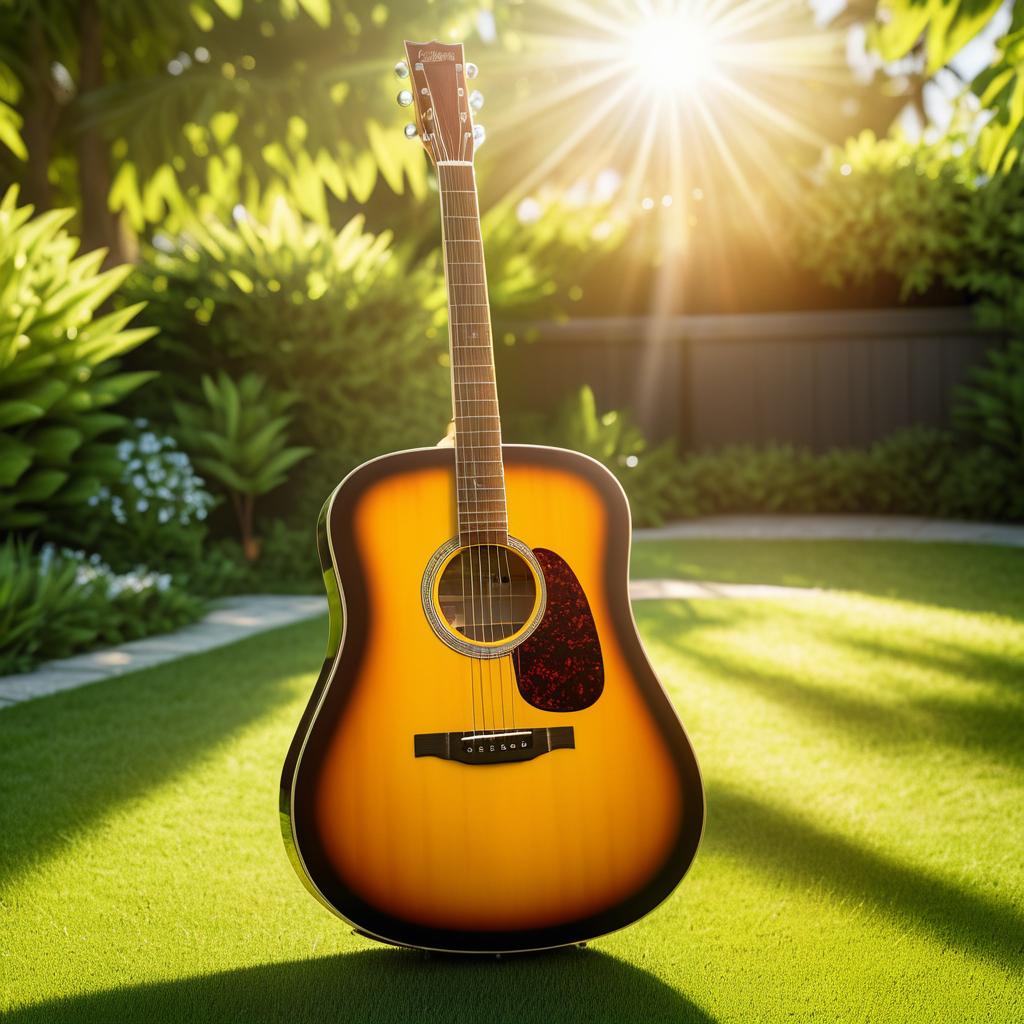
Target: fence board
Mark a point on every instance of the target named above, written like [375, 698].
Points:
[817, 379]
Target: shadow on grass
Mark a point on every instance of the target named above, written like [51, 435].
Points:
[991, 724]
[792, 849]
[393, 986]
[68, 759]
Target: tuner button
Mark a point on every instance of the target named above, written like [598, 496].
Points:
[402, 69]
[472, 70]
[404, 98]
[410, 131]
[479, 134]
[476, 99]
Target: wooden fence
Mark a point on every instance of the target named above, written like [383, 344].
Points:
[817, 379]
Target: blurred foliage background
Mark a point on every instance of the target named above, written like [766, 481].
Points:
[220, 287]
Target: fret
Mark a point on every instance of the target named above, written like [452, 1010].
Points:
[479, 468]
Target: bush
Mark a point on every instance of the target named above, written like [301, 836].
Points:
[989, 409]
[57, 603]
[57, 374]
[341, 319]
[922, 214]
[914, 472]
[288, 565]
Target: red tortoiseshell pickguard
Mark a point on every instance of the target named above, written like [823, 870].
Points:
[559, 666]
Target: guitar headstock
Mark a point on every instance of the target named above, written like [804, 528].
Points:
[443, 104]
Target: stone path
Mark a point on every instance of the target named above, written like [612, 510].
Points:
[232, 619]
[239, 617]
[911, 528]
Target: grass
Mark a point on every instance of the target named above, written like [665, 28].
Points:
[864, 757]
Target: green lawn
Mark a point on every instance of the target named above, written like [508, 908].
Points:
[864, 758]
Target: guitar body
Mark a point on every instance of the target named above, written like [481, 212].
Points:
[486, 804]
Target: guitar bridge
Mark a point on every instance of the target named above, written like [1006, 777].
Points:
[493, 747]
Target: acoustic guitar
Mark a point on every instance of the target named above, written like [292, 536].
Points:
[488, 763]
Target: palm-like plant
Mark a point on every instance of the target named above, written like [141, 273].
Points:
[239, 438]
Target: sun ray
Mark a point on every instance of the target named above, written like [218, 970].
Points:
[569, 142]
[703, 108]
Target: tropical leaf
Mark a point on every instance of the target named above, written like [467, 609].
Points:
[55, 370]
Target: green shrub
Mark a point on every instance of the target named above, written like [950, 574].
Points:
[989, 409]
[57, 603]
[57, 370]
[923, 214]
[914, 472]
[238, 437]
[288, 564]
[343, 320]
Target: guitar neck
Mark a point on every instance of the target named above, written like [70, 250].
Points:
[479, 472]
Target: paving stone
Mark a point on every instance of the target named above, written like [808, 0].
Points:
[230, 620]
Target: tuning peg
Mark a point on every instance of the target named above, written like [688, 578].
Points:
[479, 134]
[402, 69]
[472, 70]
[404, 98]
[476, 99]
[410, 131]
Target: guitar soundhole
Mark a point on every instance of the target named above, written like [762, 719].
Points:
[487, 593]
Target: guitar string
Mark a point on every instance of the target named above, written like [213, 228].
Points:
[486, 624]
[463, 142]
[435, 138]
[498, 550]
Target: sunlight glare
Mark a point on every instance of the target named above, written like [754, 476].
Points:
[673, 52]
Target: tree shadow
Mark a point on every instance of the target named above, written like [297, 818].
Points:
[792, 849]
[392, 986]
[991, 724]
[66, 760]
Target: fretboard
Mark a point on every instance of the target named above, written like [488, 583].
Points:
[479, 473]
